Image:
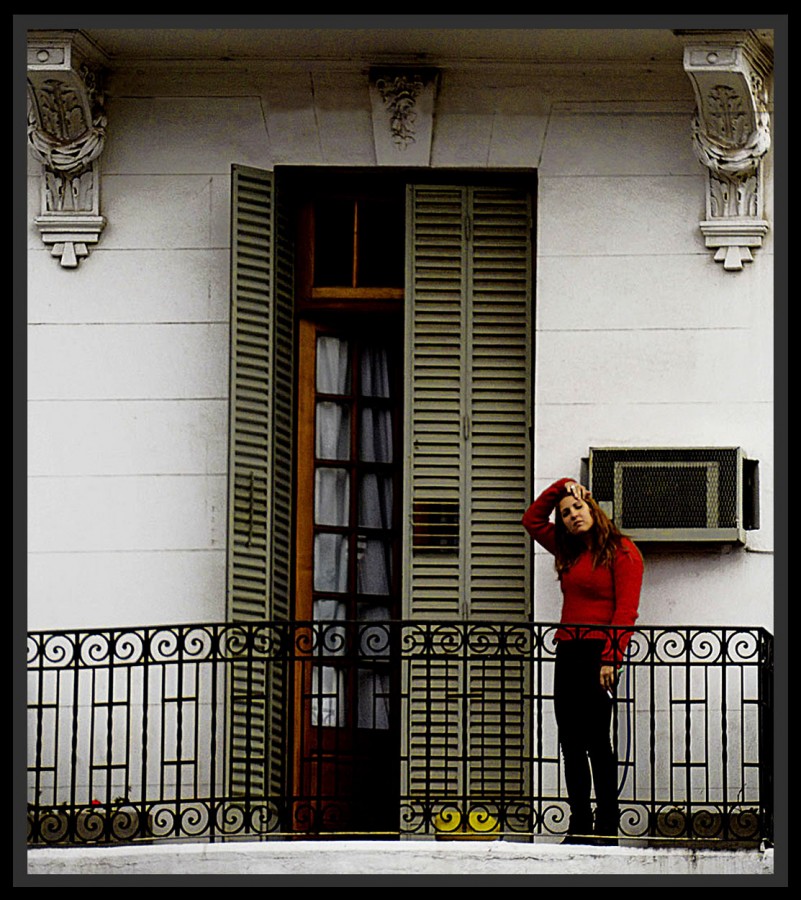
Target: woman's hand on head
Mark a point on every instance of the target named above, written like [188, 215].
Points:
[577, 490]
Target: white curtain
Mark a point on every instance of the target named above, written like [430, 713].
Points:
[332, 438]
[333, 370]
[374, 372]
[332, 509]
[375, 435]
[375, 427]
[331, 496]
[330, 563]
[332, 432]
[373, 566]
[375, 501]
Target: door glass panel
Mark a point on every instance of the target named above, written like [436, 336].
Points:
[375, 501]
[373, 711]
[331, 496]
[333, 244]
[374, 372]
[381, 242]
[328, 684]
[330, 563]
[333, 365]
[328, 697]
[374, 681]
[330, 638]
[332, 437]
[373, 636]
[375, 435]
[374, 566]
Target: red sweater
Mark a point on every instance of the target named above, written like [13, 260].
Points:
[591, 596]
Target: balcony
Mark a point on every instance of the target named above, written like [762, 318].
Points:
[384, 729]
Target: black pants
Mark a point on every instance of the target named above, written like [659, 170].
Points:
[583, 716]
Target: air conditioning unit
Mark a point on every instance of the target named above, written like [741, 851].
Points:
[676, 494]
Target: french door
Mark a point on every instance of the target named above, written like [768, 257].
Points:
[347, 579]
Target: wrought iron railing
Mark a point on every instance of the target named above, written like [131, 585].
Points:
[418, 729]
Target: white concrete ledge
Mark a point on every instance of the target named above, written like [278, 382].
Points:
[393, 858]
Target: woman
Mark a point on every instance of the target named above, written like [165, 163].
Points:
[600, 573]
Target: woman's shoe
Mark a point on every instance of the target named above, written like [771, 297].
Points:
[598, 840]
[605, 832]
[579, 830]
[578, 839]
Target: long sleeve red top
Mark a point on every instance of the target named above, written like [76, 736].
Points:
[591, 596]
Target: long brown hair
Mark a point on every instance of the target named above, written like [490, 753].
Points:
[605, 538]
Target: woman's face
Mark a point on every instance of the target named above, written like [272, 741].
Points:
[576, 515]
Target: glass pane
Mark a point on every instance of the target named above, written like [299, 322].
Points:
[375, 501]
[375, 435]
[328, 697]
[331, 496]
[374, 639]
[374, 643]
[330, 563]
[381, 243]
[374, 566]
[374, 372]
[333, 365]
[373, 709]
[332, 431]
[330, 639]
[333, 242]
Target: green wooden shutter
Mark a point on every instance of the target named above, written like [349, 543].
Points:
[468, 403]
[434, 411]
[467, 479]
[260, 467]
[498, 400]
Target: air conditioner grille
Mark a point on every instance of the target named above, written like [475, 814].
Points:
[666, 497]
[657, 488]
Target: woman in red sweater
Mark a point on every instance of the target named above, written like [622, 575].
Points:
[600, 573]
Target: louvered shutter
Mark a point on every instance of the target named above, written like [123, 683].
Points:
[468, 481]
[468, 402]
[498, 400]
[435, 401]
[260, 467]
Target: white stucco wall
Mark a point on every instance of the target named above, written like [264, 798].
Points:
[641, 339]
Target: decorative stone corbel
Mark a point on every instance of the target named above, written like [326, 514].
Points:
[66, 133]
[402, 103]
[729, 72]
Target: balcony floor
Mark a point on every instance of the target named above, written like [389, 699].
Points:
[408, 857]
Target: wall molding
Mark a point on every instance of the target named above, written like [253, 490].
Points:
[730, 73]
[66, 134]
